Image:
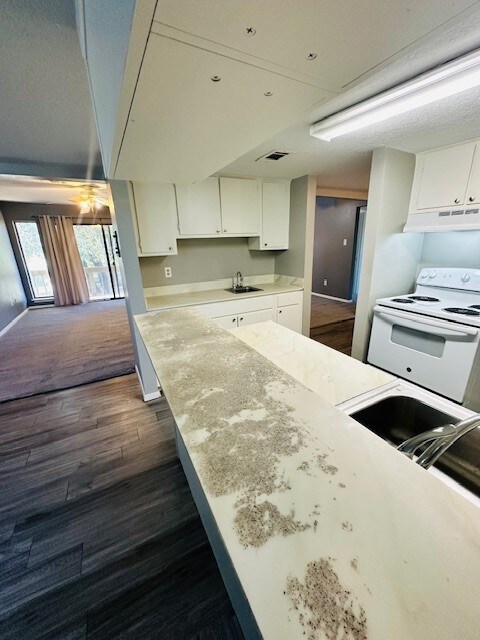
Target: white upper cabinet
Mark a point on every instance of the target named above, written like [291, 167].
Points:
[155, 218]
[446, 189]
[443, 177]
[199, 208]
[473, 189]
[240, 203]
[275, 216]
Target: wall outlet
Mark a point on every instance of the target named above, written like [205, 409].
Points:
[168, 272]
[325, 282]
[344, 242]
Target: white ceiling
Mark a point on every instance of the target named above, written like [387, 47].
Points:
[45, 106]
[345, 162]
[35, 190]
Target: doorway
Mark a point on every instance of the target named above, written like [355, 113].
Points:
[95, 245]
[338, 250]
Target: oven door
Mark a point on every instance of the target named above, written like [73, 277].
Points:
[435, 354]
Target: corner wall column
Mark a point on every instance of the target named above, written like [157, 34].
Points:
[122, 220]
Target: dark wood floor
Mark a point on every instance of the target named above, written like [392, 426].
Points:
[99, 535]
[331, 323]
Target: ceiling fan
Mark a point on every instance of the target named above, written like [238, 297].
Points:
[90, 199]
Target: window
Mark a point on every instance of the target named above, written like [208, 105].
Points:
[34, 260]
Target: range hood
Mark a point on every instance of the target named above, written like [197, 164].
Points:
[463, 219]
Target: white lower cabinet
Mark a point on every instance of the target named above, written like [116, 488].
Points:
[290, 317]
[227, 322]
[284, 308]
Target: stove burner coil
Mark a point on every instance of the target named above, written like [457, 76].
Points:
[403, 300]
[424, 299]
[462, 311]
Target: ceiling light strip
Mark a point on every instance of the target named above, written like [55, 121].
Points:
[442, 82]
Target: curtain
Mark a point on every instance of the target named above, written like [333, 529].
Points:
[63, 259]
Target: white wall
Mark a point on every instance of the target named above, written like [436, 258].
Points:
[390, 257]
[135, 300]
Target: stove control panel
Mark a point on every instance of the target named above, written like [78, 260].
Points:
[464, 279]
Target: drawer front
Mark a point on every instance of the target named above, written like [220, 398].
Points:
[230, 307]
[292, 297]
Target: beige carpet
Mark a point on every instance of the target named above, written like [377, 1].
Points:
[62, 347]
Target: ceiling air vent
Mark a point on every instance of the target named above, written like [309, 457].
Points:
[273, 156]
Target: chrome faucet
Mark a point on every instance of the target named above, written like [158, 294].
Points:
[238, 280]
[441, 438]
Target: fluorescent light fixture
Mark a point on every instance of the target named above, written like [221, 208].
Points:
[446, 80]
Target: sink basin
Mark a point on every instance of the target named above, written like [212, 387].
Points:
[397, 418]
[245, 289]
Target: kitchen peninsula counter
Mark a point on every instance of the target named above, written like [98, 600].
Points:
[328, 531]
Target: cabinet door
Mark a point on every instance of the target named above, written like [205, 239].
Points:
[240, 202]
[199, 208]
[444, 178]
[156, 218]
[252, 317]
[275, 214]
[473, 190]
[290, 317]
[227, 322]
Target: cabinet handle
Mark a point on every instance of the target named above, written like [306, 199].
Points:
[170, 248]
[457, 200]
[265, 245]
[218, 230]
[241, 319]
[224, 231]
[279, 311]
[471, 199]
[234, 320]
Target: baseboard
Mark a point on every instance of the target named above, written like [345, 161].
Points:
[15, 320]
[323, 295]
[147, 396]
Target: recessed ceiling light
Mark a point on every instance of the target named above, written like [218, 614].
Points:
[215, 78]
[311, 56]
[446, 80]
[268, 93]
[250, 31]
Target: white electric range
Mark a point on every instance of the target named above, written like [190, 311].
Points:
[431, 337]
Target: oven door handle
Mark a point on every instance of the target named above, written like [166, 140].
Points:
[443, 328]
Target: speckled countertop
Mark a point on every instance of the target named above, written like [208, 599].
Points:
[333, 534]
[190, 298]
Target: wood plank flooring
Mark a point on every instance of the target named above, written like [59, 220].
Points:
[331, 323]
[99, 535]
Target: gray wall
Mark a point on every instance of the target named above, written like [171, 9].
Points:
[452, 249]
[298, 260]
[292, 262]
[335, 221]
[11, 289]
[204, 259]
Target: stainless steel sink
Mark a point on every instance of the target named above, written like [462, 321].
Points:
[398, 418]
[245, 289]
